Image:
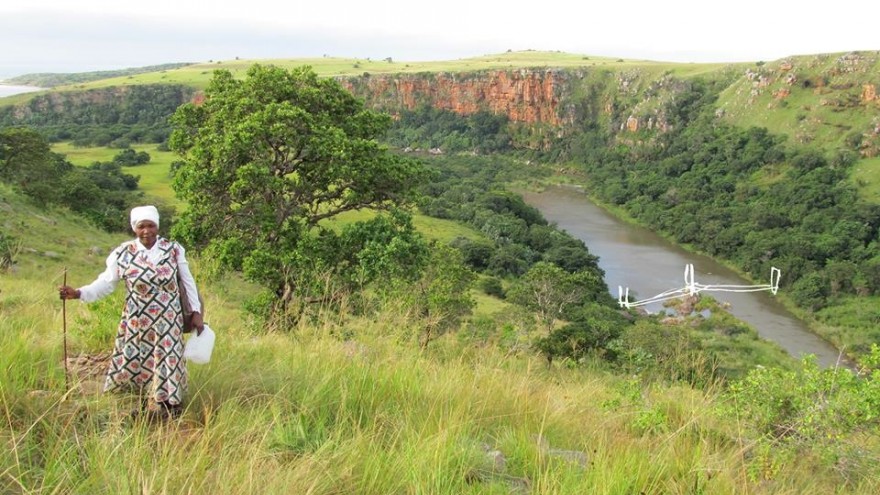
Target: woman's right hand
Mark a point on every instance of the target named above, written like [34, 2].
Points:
[68, 292]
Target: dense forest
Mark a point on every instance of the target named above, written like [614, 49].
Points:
[116, 118]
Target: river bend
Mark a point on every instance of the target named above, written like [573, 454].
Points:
[648, 264]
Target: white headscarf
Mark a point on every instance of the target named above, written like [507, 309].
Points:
[141, 213]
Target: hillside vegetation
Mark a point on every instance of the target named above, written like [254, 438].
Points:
[457, 343]
[345, 404]
[568, 110]
[823, 101]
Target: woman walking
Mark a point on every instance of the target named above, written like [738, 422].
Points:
[148, 353]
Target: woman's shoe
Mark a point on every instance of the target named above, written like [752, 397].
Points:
[170, 411]
[155, 412]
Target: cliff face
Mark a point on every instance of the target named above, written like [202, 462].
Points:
[526, 96]
[829, 100]
[544, 104]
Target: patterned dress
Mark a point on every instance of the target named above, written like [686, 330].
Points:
[148, 354]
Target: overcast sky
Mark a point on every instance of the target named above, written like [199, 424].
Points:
[86, 35]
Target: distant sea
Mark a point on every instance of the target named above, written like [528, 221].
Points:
[7, 90]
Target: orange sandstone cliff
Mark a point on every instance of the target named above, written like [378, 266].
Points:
[526, 96]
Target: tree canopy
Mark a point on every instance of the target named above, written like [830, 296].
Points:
[268, 157]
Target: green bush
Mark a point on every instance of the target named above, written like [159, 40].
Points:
[824, 411]
[492, 286]
[10, 247]
[592, 329]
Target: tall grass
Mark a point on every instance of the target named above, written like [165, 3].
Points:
[303, 411]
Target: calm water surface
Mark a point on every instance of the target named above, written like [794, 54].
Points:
[637, 258]
[9, 90]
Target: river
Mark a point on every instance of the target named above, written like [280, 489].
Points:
[648, 265]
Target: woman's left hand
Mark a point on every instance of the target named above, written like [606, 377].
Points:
[198, 323]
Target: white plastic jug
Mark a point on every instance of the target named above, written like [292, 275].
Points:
[199, 346]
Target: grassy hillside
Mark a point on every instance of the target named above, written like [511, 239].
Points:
[825, 101]
[305, 410]
[866, 174]
[302, 411]
[198, 75]
[50, 80]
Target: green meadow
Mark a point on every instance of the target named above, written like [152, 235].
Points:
[155, 176]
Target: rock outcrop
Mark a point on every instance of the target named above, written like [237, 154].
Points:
[527, 96]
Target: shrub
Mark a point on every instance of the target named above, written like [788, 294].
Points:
[492, 286]
[592, 329]
[10, 247]
[810, 291]
[823, 411]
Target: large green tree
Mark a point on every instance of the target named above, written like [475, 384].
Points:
[27, 161]
[551, 292]
[441, 295]
[267, 158]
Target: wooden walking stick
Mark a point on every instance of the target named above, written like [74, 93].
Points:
[64, 324]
